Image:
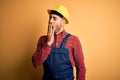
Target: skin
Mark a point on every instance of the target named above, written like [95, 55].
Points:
[55, 26]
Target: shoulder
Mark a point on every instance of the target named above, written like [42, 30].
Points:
[74, 38]
[43, 39]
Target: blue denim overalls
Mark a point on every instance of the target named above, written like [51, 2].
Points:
[58, 66]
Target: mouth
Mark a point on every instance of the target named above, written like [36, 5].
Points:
[51, 25]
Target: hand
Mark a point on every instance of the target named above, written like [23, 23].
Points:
[50, 34]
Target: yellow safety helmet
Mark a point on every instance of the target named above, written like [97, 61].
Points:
[62, 10]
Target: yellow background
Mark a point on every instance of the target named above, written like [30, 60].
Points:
[95, 22]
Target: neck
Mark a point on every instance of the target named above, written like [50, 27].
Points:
[60, 31]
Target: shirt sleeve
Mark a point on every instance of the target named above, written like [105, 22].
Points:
[41, 53]
[79, 60]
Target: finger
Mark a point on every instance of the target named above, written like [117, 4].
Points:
[53, 30]
[49, 33]
[49, 29]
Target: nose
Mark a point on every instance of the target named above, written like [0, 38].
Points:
[50, 20]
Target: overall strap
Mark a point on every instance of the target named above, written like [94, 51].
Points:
[64, 41]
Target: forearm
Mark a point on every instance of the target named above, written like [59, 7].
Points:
[81, 73]
[41, 55]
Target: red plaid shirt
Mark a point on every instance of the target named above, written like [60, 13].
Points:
[75, 52]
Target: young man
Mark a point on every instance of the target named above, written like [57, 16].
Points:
[59, 51]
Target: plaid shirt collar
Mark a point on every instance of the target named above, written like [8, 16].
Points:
[63, 33]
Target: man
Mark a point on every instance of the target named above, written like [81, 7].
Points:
[59, 51]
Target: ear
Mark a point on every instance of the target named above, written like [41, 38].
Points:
[63, 22]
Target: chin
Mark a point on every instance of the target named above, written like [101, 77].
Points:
[56, 31]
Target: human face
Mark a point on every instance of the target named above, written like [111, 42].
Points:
[56, 22]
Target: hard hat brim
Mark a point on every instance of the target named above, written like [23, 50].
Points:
[49, 11]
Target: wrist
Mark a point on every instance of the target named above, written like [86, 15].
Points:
[49, 43]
